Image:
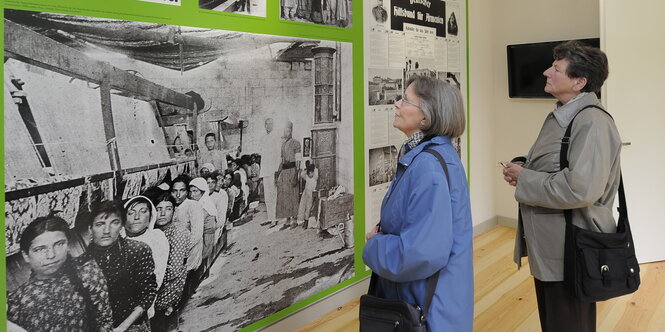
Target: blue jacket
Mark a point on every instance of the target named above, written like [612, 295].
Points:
[425, 227]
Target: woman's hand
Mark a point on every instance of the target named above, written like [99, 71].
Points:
[371, 233]
[512, 172]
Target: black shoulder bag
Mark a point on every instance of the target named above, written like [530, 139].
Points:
[598, 266]
[380, 315]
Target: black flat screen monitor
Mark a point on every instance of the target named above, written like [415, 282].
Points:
[526, 64]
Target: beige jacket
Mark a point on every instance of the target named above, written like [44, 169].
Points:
[588, 185]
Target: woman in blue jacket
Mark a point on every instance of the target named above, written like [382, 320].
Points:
[425, 224]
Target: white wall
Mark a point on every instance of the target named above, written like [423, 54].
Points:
[632, 36]
[516, 122]
[481, 113]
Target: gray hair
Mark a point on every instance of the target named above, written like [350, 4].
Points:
[442, 105]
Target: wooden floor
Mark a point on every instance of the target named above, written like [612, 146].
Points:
[505, 299]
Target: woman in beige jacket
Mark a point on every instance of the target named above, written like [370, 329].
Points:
[588, 185]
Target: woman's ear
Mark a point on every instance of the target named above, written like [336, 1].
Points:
[580, 83]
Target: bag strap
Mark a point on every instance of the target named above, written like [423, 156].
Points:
[563, 163]
[432, 280]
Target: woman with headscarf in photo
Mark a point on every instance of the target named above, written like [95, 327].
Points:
[127, 265]
[198, 189]
[63, 293]
[140, 226]
[169, 294]
[287, 178]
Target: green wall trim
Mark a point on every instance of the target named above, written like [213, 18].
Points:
[468, 101]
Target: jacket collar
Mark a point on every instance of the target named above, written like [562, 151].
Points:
[565, 113]
[436, 140]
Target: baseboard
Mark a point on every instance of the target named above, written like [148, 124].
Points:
[505, 221]
[484, 226]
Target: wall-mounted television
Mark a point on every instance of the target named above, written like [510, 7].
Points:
[526, 64]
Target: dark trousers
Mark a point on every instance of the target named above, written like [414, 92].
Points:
[559, 311]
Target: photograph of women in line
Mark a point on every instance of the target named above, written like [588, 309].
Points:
[156, 179]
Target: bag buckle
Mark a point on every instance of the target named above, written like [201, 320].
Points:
[603, 271]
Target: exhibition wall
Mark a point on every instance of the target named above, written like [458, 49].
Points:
[260, 63]
[108, 100]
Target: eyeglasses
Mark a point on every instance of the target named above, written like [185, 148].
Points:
[404, 100]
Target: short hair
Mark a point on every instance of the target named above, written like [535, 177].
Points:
[211, 175]
[184, 178]
[584, 62]
[442, 105]
[210, 135]
[41, 225]
[245, 159]
[164, 197]
[107, 208]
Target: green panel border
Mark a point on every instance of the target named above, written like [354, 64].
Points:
[468, 102]
[3, 260]
[188, 14]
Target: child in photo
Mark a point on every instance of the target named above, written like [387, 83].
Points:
[311, 176]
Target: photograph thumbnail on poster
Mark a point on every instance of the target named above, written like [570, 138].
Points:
[245, 7]
[337, 13]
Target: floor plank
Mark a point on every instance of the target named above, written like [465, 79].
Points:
[505, 299]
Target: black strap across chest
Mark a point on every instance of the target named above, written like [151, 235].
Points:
[563, 162]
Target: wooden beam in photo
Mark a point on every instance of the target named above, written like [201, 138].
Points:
[109, 126]
[160, 122]
[227, 42]
[31, 47]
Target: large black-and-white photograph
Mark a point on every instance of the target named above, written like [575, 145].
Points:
[382, 164]
[384, 86]
[246, 7]
[155, 178]
[327, 12]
